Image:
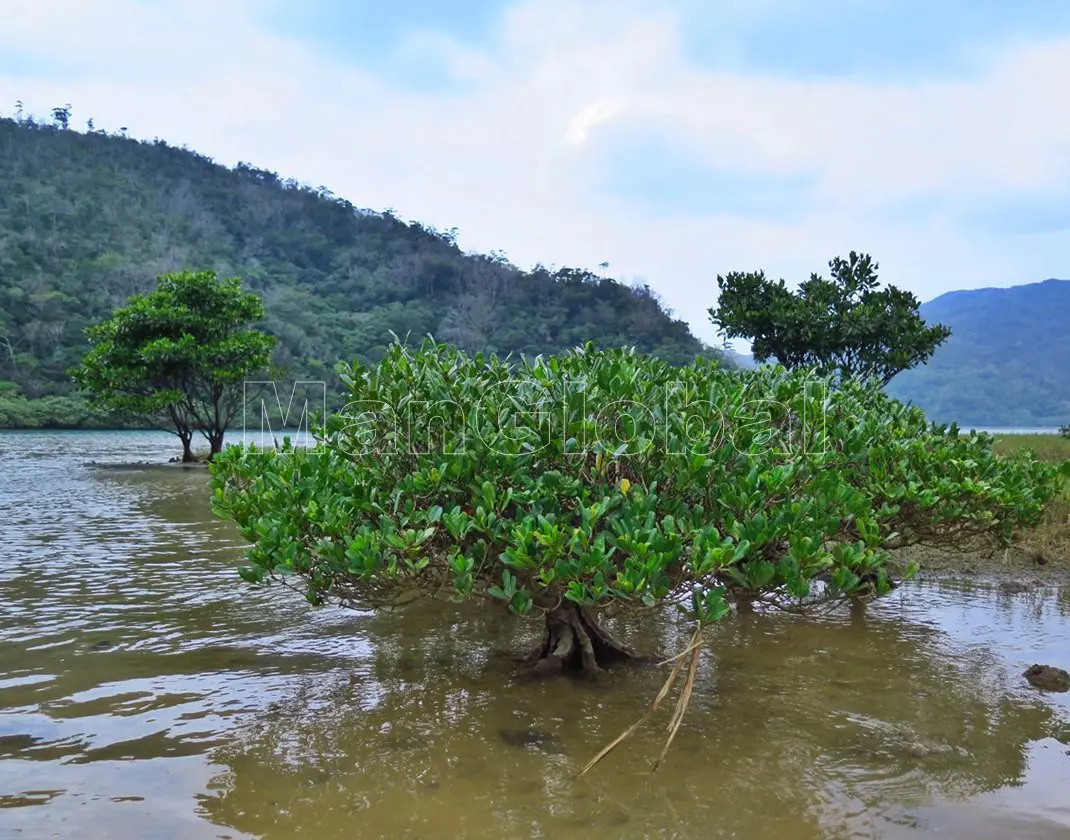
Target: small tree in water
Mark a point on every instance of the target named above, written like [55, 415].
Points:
[180, 353]
[561, 486]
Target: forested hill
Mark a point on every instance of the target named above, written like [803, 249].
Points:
[88, 218]
[1007, 363]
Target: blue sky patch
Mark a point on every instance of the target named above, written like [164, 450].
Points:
[663, 180]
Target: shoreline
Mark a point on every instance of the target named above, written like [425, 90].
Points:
[1018, 564]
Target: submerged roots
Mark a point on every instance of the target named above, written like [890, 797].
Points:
[574, 642]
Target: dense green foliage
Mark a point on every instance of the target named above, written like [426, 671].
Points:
[181, 352]
[600, 477]
[1007, 363]
[17, 412]
[88, 219]
[844, 325]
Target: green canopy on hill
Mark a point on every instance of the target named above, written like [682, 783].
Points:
[87, 219]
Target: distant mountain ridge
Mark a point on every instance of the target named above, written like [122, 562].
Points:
[1007, 363]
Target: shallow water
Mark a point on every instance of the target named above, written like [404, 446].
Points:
[145, 692]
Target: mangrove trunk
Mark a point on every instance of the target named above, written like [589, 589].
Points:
[186, 436]
[575, 642]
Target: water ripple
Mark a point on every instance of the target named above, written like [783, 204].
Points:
[146, 692]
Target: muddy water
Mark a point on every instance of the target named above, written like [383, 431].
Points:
[145, 692]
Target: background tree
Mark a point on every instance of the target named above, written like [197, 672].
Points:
[844, 325]
[181, 352]
[61, 117]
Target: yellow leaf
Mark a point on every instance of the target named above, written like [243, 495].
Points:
[625, 486]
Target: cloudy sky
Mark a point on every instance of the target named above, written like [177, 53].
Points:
[675, 139]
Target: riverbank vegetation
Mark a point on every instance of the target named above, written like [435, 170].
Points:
[57, 412]
[1036, 554]
[1046, 546]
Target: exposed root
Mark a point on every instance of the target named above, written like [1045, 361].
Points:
[588, 660]
[695, 649]
[681, 704]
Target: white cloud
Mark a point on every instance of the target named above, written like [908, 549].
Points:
[589, 117]
[514, 155]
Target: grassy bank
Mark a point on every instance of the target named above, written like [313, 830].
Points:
[1049, 544]
[1039, 555]
[1049, 447]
